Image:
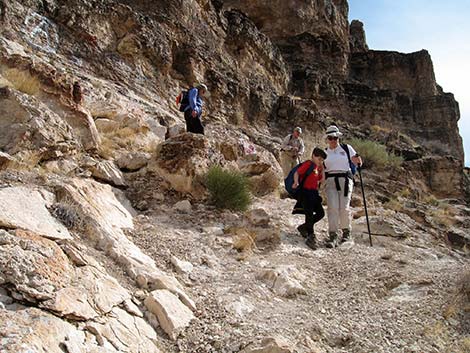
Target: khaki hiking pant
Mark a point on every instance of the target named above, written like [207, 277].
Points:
[339, 211]
[288, 162]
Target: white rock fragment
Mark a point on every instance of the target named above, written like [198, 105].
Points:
[172, 314]
[182, 266]
[131, 308]
[183, 206]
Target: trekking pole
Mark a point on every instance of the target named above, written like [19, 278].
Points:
[359, 168]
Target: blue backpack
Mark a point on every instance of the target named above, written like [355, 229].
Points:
[351, 164]
[289, 181]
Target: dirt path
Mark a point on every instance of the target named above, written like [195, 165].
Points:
[394, 297]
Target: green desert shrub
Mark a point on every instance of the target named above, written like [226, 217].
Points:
[228, 189]
[375, 155]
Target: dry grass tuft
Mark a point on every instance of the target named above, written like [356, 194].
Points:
[405, 192]
[379, 129]
[444, 216]
[460, 302]
[394, 204]
[25, 161]
[22, 80]
[69, 214]
[431, 200]
[125, 138]
[464, 290]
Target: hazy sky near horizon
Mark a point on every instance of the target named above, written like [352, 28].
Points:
[440, 27]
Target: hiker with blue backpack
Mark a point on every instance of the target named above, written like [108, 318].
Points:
[303, 183]
[190, 102]
[340, 166]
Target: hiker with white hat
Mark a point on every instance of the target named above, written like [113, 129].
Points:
[292, 149]
[340, 165]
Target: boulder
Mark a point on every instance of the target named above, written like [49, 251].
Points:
[263, 171]
[125, 332]
[108, 172]
[100, 290]
[258, 225]
[182, 266]
[240, 307]
[172, 284]
[27, 208]
[133, 161]
[258, 217]
[31, 329]
[39, 271]
[34, 266]
[176, 130]
[284, 281]
[266, 183]
[184, 160]
[172, 315]
[270, 345]
[183, 206]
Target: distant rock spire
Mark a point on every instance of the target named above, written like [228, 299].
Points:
[357, 37]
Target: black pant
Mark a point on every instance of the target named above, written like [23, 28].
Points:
[311, 203]
[193, 125]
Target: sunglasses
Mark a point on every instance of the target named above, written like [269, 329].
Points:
[331, 138]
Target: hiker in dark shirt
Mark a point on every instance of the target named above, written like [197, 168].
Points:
[309, 201]
[193, 111]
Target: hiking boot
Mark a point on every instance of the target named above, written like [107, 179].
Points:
[303, 230]
[332, 242]
[311, 242]
[346, 236]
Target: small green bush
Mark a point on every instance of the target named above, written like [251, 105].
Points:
[375, 155]
[228, 189]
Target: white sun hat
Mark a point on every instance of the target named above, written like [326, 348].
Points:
[333, 131]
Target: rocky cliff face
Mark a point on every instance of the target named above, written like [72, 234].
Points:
[330, 62]
[107, 241]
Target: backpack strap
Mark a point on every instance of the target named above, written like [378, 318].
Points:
[346, 149]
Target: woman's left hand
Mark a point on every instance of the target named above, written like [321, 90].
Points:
[357, 160]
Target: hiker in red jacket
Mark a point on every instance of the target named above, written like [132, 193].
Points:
[309, 201]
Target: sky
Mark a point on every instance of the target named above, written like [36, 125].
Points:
[440, 27]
